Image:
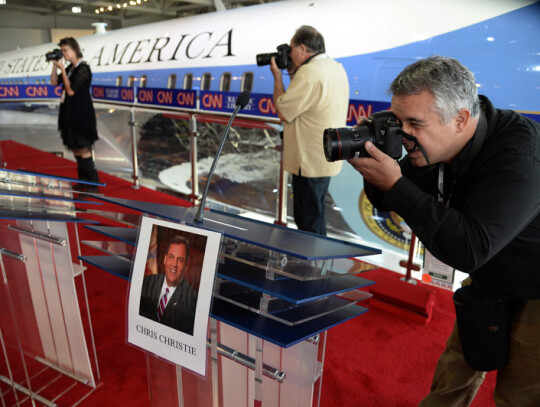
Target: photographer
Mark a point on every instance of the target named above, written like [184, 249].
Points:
[472, 196]
[317, 98]
[77, 119]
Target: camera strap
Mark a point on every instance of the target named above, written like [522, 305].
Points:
[310, 58]
[416, 144]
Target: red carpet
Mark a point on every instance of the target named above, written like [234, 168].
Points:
[378, 359]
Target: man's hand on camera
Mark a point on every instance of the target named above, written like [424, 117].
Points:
[274, 68]
[380, 169]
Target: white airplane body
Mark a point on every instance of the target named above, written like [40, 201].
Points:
[374, 40]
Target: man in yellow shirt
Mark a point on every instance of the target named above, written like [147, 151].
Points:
[317, 98]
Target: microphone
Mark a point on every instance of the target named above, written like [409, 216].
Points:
[241, 101]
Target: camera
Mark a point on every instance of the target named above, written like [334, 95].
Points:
[381, 128]
[54, 55]
[282, 57]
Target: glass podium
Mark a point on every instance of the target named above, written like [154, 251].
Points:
[276, 293]
[47, 348]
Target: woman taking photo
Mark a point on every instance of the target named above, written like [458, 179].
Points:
[77, 118]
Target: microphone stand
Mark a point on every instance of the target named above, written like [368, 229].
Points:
[200, 213]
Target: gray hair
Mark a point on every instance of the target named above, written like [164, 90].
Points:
[310, 37]
[452, 85]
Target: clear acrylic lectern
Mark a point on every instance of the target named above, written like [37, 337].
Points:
[277, 291]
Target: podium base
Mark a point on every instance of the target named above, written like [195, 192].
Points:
[414, 301]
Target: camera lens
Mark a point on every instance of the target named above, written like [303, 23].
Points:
[264, 59]
[332, 145]
[345, 143]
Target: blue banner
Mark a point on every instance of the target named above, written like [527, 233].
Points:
[186, 99]
[124, 94]
[260, 104]
[13, 92]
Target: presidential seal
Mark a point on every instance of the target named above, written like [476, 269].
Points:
[388, 226]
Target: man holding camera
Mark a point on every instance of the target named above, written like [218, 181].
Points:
[317, 98]
[469, 189]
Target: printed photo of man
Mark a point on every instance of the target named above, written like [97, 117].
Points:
[167, 295]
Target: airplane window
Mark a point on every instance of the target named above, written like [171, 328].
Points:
[119, 80]
[225, 82]
[131, 80]
[144, 80]
[205, 81]
[247, 82]
[171, 83]
[188, 81]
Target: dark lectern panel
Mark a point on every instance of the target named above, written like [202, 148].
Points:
[279, 310]
[289, 289]
[296, 243]
[275, 332]
[114, 265]
[126, 235]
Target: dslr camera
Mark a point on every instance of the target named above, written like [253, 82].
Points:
[282, 57]
[381, 128]
[54, 55]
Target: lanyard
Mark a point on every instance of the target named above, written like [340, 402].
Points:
[440, 183]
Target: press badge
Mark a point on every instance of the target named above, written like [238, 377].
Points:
[436, 272]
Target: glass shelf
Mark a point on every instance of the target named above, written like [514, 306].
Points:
[291, 266]
[279, 310]
[306, 246]
[288, 289]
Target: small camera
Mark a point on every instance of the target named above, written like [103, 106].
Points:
[282, 57]
[381, 128]
[54, 55]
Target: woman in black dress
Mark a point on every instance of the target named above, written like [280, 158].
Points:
[77, 118]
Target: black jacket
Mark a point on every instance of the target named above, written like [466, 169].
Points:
[491, 227]
[77, 111]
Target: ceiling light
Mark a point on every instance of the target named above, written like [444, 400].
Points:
[111, 7]
[76, 10]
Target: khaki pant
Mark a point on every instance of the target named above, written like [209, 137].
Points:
[518, 384]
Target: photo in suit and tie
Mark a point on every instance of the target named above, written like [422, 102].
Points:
[170, 294]
[172, 276]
